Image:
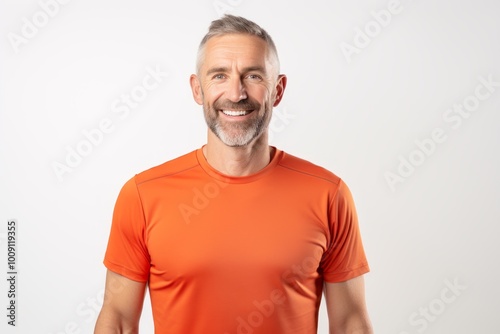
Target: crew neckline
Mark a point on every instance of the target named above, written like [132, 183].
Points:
[212, 172]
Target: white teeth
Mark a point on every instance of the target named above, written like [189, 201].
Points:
[235, 112]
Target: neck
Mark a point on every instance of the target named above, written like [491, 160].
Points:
[237, 161]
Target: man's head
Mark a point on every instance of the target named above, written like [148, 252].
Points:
[230, 24]
[237, 80]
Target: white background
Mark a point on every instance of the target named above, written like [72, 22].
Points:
[356, 115]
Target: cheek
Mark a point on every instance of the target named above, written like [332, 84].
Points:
[213, 92]
[259, 93]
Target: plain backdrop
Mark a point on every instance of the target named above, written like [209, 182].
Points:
[400, 99]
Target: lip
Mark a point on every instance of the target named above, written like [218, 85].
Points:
[235, 117]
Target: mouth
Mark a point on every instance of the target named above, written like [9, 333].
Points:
[236, 113]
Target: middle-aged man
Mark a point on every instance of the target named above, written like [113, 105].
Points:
[237, 236]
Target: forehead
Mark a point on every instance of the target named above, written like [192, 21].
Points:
[240, 48]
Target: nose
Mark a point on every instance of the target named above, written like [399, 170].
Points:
[236, 90]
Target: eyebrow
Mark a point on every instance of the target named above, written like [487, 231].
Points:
[245, 70]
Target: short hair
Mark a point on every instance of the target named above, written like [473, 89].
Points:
[230, 24]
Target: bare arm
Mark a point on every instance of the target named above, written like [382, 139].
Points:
[346, 307]
[122, 306]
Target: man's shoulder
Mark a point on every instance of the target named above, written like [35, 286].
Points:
[171, 167]
[308, 169]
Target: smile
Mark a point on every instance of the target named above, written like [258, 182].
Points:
[236, 112]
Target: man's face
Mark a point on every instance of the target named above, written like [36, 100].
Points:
[238, 85]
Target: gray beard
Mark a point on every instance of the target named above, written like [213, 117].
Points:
[235, 135]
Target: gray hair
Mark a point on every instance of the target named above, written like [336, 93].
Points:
[230, 24]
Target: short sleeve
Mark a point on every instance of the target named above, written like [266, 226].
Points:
[126, 253]
[345, 257]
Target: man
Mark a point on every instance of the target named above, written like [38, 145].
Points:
[237, 236]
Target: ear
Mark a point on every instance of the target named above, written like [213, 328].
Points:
[196, 89]
[280, 89]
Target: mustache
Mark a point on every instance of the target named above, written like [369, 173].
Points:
[240, 105]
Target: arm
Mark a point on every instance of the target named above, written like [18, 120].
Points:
[346, 307]
[122, 307]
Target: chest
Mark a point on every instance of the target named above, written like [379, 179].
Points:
[230, 231]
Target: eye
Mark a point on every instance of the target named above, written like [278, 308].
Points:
[218, 76]
[255, 77]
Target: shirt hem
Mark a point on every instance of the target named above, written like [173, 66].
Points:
[345, 276]
[124, 272]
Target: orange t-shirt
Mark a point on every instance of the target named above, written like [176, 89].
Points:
[235, 255]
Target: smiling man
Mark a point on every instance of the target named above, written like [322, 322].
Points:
[237, 236]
